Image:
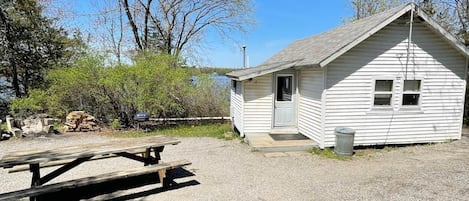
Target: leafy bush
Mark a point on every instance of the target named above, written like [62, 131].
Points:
[153, 84]
[116, 124]
[35, 103]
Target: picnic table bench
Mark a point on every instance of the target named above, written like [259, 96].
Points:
[139, 149]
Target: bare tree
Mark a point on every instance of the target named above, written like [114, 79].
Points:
[110, 28]
[365, 8]
[461, 11]
[171, 25]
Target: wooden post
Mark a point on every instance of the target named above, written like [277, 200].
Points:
[35, 181]
[34, 168]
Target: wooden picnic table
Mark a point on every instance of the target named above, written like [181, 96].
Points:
[138, 149]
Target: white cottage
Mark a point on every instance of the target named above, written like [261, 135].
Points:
[396, 77]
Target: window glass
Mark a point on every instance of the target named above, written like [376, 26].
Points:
[383, 92]
[383, 85]
[411, 85]
[284, 88]
[410, 99]
[411, 92]
[382, 99]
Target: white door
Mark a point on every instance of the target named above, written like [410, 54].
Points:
[284, 107]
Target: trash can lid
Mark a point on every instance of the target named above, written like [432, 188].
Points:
[344, 130]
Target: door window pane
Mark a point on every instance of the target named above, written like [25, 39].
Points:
[284, 88]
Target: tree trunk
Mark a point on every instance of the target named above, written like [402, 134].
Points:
[146, 28]
[132, 24]
[15, 81]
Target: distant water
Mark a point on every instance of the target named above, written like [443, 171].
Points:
[221, 80]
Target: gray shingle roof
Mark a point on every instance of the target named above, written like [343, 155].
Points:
[319, 50]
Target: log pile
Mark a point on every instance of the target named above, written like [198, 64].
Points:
[81, 121]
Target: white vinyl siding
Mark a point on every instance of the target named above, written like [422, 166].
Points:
[311, 85]
[258, 104]
[236, 107]
[439, 66]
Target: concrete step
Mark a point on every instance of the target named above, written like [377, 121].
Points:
[264, 143]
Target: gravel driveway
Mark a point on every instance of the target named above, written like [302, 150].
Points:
[227, 170]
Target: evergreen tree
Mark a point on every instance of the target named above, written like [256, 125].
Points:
[29, 46]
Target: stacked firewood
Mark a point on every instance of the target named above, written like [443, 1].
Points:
[81, 121]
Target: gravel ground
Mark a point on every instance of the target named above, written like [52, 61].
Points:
[227, 170]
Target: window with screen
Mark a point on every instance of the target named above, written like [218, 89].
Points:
[411, 93]
[383, 92]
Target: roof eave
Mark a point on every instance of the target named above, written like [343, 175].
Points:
[453, 40]
[261, 72]
[232, 77]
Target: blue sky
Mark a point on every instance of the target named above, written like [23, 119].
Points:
[279, 22]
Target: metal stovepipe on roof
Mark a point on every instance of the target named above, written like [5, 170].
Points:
[244, 56]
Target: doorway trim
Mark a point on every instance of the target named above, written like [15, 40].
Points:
[293, 103]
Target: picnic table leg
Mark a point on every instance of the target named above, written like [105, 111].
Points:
[34, 168]
[152, 160]
[147, 157]
[157, 152]
[166, 178]
[35, 181]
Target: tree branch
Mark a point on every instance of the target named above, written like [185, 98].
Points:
[132, 24]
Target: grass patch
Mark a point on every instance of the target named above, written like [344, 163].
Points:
[4, 126]
[328, 153]
[208, 130]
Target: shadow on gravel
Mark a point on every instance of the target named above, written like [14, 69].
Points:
[384, 146]
[153, 191]
[94, 190]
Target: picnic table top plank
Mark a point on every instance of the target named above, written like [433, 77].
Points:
[12, 159]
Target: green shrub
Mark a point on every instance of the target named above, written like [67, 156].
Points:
[116, 124]
[152, 84]
[3, 126]
[35, 103]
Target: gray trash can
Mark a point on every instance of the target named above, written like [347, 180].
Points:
[344, 141]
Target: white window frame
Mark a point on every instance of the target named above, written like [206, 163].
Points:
[374, 92]
[411, 92]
